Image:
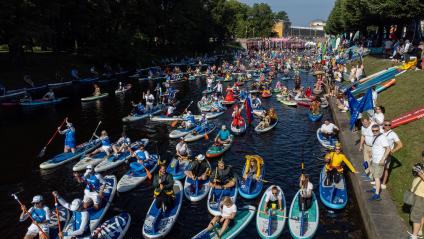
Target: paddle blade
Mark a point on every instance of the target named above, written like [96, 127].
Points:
[206, 137]
[174, 123]
[42, 153]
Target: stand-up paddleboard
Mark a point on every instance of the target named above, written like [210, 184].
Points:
[215, 196]
[94, 97]
[408, 117]
[114, 228]
[132, 179]
[303, 225]
[270, 224]
[333, 195]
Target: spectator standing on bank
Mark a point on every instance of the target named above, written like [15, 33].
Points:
[395, 145]
[365, 144]
[417, 209]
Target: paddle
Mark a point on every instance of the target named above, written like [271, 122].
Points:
[302, 214]
[97, 127]
[43, 151]
[149, 175]
[281, 216]
[88, 184]
[174, 123]
[57, 214]
[214, 182]
[30, 216]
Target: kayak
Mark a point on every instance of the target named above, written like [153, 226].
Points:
[132, 179]
[326, 142]
[114, 228]
[408, 117]
[263, 130]
[87, 80]
[386, 76]
[217, 150]
[63, 158]
[176, 168]
[125, 89]
[94, 97]
[97, 215]
[64, 218]
[333, 196]
[41, 102]
[190, 137]
[135, 117]
[251, 188]
[215, 196]
[238, 130]
[288, 102]
[210, 115]
[159, 223]
[270, 225]
[190, 191]
[243, 217]
[313, 117]
[114, 161]
[303, 225]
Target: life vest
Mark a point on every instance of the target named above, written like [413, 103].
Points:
[70, 135]
[39, 215]
[93, 183]
[105, 141]
[78, 221]
[141, 155]
[259, 164]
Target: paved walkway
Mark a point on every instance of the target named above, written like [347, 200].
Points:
[380, 218]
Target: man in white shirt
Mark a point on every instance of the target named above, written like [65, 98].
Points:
[395, 145]
[380, 149]
[365, 143]
[273, 199]
[328, 129]
[150, 99]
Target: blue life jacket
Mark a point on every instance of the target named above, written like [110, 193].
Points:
[106, 141]
[191, 119]
[93, 183]
[70, 135]
[141, 155]
[39, 214]
[140, 108]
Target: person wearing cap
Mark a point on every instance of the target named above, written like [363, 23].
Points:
[95, 185]
[182, 150]
[80, 218]
[334, 167]
[223, 136]
[189, 120]
[202, 125]
[198, 168]
[395, 145]
[106, 145]
[142, 155]
[121, 145]
[69, 133]
[41, 215]
[223, 178]
[329, 130]
[138, 109]
[163, 183]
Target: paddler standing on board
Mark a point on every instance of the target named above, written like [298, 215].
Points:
[41, 216]
[334, 167]
[97, 91]
[80, 217]
[69, 133]
[95, 185]
[164, 189]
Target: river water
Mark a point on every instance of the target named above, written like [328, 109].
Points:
[25, 131]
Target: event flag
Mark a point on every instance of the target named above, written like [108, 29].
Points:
[356, 107]
[248, 108]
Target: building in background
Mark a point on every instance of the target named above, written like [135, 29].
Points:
[284, 29]
[317, 24]
[280, 27]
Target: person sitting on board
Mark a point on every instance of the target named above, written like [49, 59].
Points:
[202, 125]
[97, 91]
[81, 218]
[106, 145]
[170, 110]
[223, 136]
[256, 102]
[334, 167]
[69, 133]
[182, 151]
[198, 168]
[204, 100]
[228, 212]
[265, 120]
[95, 184]
[49, 95]
[163, 184]
[216, 104]
[189, 120]
[329, 130]
[74, 74]
[229, 97]
[143, 157]
[41, 215]
[139, 108]
[94, 71]
[237, 118]
[315, 107]
[121, 145]
[223, 179]
[306, 187]
[150, 99]
[273, 200]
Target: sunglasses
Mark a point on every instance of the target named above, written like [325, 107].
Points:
[338, 149]
[375, 130]
[387, 125]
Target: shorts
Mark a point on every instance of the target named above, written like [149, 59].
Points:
[105, 149]
[33, 229]
[377, 170]
[388, 162]
[367, 153]
[70, 144]
[91, 197]
[417, 210]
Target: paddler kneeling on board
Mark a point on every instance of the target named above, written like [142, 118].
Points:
[305, 196]
[106, 145]
[223, 179]
[138, 109]
[223, 136]
[228, 212]
[69, 133]
[182, 151]
[95, 185]
[164, 189]
[273, 199]
[121, 145]
[189, 120]
[80, 217]
[41, 215]
[202, 125]
[198, 168]
[334, 167]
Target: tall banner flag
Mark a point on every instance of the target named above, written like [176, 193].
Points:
[355, 108]
[248, 108]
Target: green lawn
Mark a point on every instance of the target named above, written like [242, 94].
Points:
[406, 95]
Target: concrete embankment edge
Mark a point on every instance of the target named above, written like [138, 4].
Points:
[380, 218]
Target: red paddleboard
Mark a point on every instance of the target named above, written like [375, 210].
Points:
[408, 117]
[304, 103]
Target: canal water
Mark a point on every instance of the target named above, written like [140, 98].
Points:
[25, 131]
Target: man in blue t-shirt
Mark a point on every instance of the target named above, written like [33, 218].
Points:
[223, 136]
